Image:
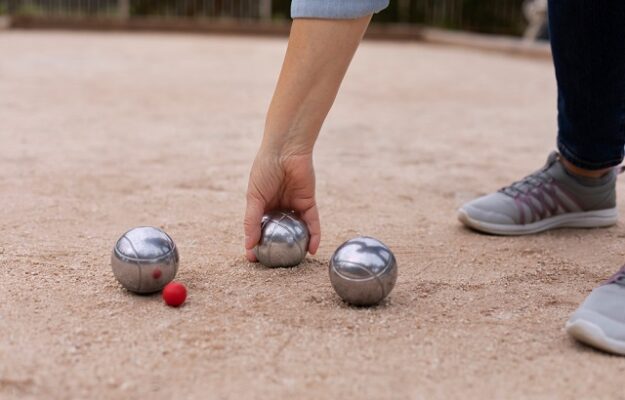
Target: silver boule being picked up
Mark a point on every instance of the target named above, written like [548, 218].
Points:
[283, 241]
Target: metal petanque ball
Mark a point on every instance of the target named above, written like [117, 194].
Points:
[283, 241]
[144, 259]
[363, 271]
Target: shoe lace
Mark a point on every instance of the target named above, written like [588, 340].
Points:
[618, 277]
[527, 184]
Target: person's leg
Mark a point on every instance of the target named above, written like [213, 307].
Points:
[577, 187]
[588, 41]
[588, 44]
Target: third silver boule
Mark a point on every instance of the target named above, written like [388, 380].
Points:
[363, 271]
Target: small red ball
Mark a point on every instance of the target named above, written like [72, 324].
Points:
[174, 294]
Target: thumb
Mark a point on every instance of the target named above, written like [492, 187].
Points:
[311, 217]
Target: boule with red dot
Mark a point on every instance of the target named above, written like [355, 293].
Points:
[144, 260]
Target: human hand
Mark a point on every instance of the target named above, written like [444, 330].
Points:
[281, 182]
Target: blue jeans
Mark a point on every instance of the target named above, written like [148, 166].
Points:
[588, 45]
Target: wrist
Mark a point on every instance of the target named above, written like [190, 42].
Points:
[286, 144]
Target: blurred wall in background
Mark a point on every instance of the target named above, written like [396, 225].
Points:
[487, 16]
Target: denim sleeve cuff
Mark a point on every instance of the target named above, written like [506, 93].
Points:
[336, 9]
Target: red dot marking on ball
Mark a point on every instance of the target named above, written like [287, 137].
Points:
[156, 274]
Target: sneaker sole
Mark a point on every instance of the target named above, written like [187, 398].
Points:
[586, 219]
[592, 335]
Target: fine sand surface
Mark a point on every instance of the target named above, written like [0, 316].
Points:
[103, 132]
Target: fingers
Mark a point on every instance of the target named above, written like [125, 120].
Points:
[311, 217]
[251, 257]
[251, 224]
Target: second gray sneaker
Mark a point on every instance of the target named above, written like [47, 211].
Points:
[600, 319]
[549, 198]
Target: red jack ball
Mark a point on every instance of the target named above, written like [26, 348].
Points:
[174, 294]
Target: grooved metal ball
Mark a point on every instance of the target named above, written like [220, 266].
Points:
[283, 241]
[363, 271]
[144, 259]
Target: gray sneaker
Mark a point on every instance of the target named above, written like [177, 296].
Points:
[600, 320]
[549, 198]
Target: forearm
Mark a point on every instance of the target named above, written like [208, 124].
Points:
[318, 55]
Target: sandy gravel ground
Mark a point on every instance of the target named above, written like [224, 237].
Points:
[102, 132]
